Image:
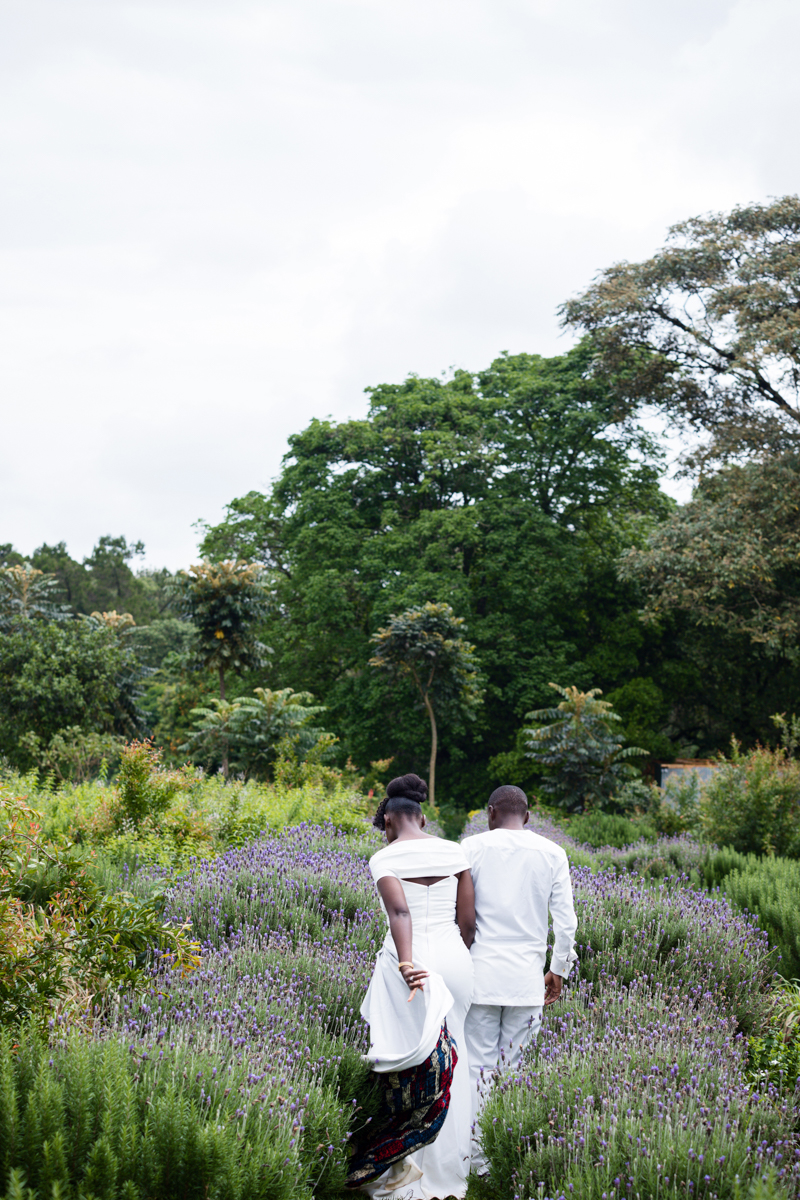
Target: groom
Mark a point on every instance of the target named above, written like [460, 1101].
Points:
[519, 876]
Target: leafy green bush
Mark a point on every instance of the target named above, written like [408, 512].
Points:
[63, 941]
[171, 816]
[144, 788]
[775, 1053]
[74, 753]
[57, 677]
[768, 887]
[753, 803]
[604, 829]
[88, 1115]
[250, 729]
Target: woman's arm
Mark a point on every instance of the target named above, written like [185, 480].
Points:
[394, 899]
[465, 907]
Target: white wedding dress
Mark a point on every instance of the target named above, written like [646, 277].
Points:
[403, 1034]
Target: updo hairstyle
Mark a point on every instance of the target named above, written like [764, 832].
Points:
[404, 795]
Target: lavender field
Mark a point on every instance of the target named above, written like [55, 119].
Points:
[243, 1078]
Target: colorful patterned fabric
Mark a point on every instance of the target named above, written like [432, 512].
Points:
[413, 1109]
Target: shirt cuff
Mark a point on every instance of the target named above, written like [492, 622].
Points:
[562, 966]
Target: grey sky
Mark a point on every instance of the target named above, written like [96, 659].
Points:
[218, 220]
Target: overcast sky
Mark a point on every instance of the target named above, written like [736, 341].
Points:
[219, 220]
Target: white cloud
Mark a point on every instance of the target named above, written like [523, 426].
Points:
[218, 220]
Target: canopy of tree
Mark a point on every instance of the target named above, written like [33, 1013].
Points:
[54, 677]
[508, 495]
[103, 582]
[709, 328]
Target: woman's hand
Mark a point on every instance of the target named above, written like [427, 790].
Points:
[414, 977]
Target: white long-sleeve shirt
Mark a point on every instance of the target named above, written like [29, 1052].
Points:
[519, 876]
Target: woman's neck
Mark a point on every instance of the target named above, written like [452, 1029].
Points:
[409, 832]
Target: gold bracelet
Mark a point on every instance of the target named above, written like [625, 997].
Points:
[404, 964]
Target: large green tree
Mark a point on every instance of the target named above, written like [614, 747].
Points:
[58, 677]
[730, 558]
[709, 328]
[507, 494]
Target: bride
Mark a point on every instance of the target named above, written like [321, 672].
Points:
[415, 1006]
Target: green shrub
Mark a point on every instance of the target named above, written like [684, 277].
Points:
[612, 1102]
[679, 810]
[63, 941]
[87, 1115]
[753, 803]
[775, 1052]
[144, 788]
[604, 829]
[581, 748]
[768, 887]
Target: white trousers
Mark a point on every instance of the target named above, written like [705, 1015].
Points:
[496, 1035]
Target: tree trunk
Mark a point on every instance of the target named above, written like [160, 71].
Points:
[434, 746]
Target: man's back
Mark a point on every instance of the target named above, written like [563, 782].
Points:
[518, 877]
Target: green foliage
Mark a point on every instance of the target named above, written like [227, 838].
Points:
[752, 802]
[145, 789]
[64, 942]
[224, 602]
[775, 1052]
[94, 1121]
[105, 580]
[728, 558]
[73, 753]
[604, 829]
[679, 811]
[427, 644]
[25, 594]
[154, 814]
[582, 748]
[249, 729]
[768, 887]
[707, 328]
[57, 677]
[507, 494]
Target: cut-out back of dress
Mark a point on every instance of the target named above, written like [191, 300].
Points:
[427, 880]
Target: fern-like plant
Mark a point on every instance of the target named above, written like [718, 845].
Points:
[582, 748]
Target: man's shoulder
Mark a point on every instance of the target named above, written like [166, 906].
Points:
[546, 845]
[473, 843]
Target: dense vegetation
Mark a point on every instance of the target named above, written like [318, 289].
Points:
[187, 762]
[242, 1077]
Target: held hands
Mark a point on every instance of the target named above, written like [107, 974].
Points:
[552, 988]
[414, 977]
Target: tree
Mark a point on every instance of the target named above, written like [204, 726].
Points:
[25, 594]
[54, 678]
[427, 644]
[582, 748]
[508, 494]
[729, 558]
[248, 729]
[709, 328]
[225, 601]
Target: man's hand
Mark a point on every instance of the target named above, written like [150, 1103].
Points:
[552, 988]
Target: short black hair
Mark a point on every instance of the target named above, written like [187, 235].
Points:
[404, 795]
[509, 799]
